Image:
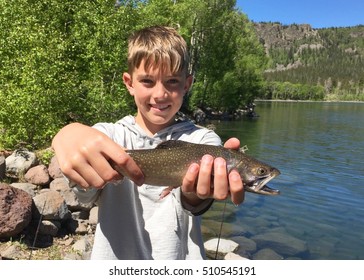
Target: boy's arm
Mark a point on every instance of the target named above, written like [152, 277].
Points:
[197, 185]
[84, 156]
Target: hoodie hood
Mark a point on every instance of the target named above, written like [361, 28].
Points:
[140, 139]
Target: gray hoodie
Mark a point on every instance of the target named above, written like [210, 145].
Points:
[134, 222]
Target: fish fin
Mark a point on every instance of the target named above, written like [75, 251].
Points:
[172, 144]
[165, 192]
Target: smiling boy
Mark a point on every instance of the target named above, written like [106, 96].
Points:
[134, 222]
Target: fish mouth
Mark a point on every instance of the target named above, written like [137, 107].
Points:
[259, 186]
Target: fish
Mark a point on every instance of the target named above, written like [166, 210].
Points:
[167, 164]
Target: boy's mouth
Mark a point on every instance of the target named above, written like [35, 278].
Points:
[159, 107]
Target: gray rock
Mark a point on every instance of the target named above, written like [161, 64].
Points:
[93, 218]
[15, 210]
[51, 205]
[280, 242]
[27, 187]
[11, 253]
[232, 256]
[82, 245]
[245, 244]
[19, 162]
[48, 227]
[53, 168]
[225, 246]
[267, 254]
[38, 175]
[60, 185]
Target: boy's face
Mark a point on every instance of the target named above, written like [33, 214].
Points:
[158, 96]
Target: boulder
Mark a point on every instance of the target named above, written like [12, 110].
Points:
[51, 205]
[232, 256]
[267, 254]
[53, 168]
[225, 246]
[15, 210]
[280, 242]
[38, 175]
[28, 187]
[19, 162]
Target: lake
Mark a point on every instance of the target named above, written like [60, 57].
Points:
[319, 149]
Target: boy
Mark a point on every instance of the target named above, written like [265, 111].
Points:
[134, 221]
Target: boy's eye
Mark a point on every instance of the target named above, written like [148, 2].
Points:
[146, 81]
[173, 81]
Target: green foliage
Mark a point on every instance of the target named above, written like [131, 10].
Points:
[62, 60]
[45, 156]
[289, 91]
[332, 59]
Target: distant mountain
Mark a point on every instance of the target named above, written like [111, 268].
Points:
[331, 59]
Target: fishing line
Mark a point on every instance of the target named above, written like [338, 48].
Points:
[221, 224]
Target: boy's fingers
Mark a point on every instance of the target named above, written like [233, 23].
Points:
[232, 143]
[203, 189]
[189, 181]
[237, 192]
[221, 187]
[126, 166]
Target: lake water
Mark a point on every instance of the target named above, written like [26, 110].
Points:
[319, 149]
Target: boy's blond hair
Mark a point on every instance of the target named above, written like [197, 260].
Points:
[158, 46]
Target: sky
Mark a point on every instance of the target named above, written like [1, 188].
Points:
[317, 13]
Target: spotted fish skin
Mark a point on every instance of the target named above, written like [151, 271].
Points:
[167, 164]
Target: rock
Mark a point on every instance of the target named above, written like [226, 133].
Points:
[245, 244]
[38, 175]
[267, 254]
[15, 210]
[51, 205]
[232, 256]
[82, 245]
[53, 168]
[28, 187]
[281, 242]
[10, 253]
[61, 185]
[94, 215]
[2, 167]
[19, 162]
[225, 246]
[49, 227]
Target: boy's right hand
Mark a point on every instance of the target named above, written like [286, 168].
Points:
[84, 155]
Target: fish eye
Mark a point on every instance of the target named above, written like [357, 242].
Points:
[261, 171]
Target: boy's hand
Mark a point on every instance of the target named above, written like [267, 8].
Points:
[84, 156]
[223, 184]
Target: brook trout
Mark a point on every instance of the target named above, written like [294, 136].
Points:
[167, 164]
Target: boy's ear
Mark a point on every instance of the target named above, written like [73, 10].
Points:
[188, 84]
[128, 82]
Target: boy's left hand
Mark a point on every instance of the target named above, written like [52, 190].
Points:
[219, 186]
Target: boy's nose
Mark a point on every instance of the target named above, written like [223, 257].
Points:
[160, 91]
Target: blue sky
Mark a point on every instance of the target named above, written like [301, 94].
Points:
[317, 13]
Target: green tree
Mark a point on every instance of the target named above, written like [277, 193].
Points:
[62, 60]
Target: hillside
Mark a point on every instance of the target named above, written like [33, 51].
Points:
[330, 61]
